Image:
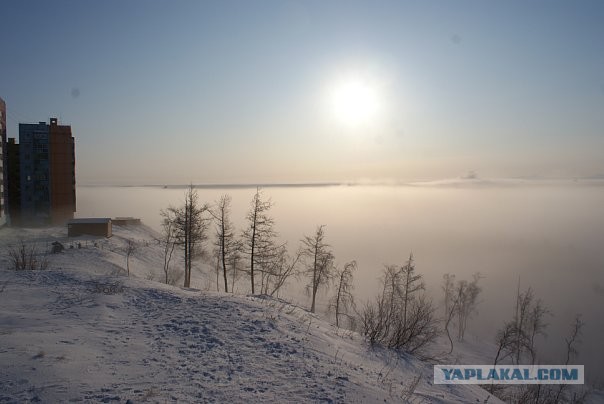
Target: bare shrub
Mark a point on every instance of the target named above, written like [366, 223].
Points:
[24, 257]
[402, 317]
[106, 288]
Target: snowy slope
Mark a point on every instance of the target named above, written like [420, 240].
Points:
[84, 331]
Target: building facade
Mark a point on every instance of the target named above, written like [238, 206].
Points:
[62, 172]
[47, 173]
[34, 173]
[3, 168]
[13, 181]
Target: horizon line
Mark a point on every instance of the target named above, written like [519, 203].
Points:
[318, 184]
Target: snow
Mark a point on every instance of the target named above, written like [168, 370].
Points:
[82, 330]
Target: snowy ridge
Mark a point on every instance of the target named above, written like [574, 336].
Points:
[83, 331]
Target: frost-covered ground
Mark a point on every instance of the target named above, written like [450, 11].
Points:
[83, 331]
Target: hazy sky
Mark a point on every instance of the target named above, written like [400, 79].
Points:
[172, 92]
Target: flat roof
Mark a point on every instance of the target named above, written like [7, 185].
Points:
[89, 220]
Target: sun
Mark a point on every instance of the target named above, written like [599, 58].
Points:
[354, 101]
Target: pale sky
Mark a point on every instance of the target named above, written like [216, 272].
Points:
[308, 91]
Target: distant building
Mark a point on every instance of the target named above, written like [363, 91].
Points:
[94, 226]
[62, 173]
[3, 193]
[34, 173]
[46, 173]
[126, 221]
[13, 183]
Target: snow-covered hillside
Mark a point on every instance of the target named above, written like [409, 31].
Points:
[82, 330]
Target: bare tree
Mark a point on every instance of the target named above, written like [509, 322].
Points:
[129, 249]
[536, 326]
[461, 300]
[466, 295]
[412, 283]
[226, 241]
[505, 340]
[571, 342]
[524, 302]
[517, 337]
[190, 229]
[168, 243]
[318, 261]
[448, 289]
[450, 304]
[528, 323]
[574, 338]
[258, 238]
[279, 270]
[529, 320]
[343, 300]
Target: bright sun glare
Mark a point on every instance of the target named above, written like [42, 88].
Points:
[354, 102]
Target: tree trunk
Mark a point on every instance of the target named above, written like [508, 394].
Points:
[338, 301]
[252, 247]
[186, 246]
[314, 281]
[224, 271]
[218, 272]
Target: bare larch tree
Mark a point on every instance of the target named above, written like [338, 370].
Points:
[226, 242]
[258, 238]
[318, 259]
[190, 228]
[413, 283]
